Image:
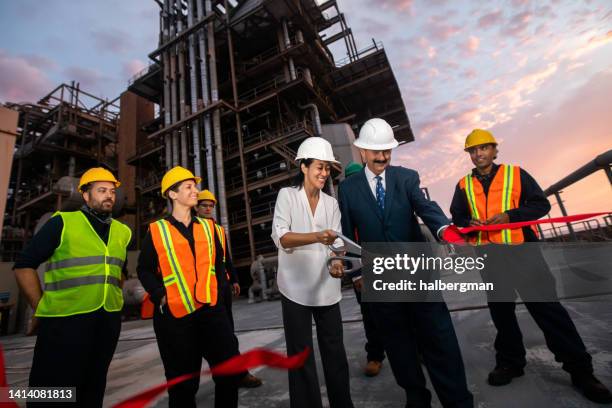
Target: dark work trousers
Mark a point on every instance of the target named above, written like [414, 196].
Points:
[406, 327]
[532, 280]
[75, 351]
[183, 342]
[228, 307]
[304, 390]
[227, 297]
[374, 344]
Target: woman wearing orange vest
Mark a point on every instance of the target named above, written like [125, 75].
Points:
[500, 194]
[180, 259]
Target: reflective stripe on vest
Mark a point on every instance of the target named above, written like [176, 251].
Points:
[84, 273]
[469, 191]
[208, 226]
[189, 280]
[221, 235]
[177, 272]
[503, 195]
[85, 280]
[86, 260]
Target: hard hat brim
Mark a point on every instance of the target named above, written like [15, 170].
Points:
[478, 144]
[195, 178]
[115, 182]
[316, 158]
[384, 146]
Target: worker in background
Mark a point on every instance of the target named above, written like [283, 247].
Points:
[206, 209]
[375, 353]
[381, 203]
[498, 194]
[179, 262]
[79, 309]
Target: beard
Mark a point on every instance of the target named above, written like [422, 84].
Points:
[102, 207]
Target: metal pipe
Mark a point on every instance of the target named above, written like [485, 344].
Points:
[182, 79]
[195, 126]
[602, 161]
[202, 11]
[166, 79]
[287, 43]
[316, 117]
[216, 119]
[173, 93]
[245, 194]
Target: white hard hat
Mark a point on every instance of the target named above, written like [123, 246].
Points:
[316, 148]
[376, 134]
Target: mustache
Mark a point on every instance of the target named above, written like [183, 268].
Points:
[380, 161]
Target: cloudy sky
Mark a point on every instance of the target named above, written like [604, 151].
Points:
[538, 74]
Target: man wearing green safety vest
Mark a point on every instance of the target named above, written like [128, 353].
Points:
[78, 311]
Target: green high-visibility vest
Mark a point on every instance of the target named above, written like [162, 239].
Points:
[84, 274]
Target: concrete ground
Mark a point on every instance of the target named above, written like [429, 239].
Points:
[137, 366]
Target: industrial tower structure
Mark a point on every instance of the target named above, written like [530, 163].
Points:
[239, 85]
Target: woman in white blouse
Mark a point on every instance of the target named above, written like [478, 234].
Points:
[305, 221]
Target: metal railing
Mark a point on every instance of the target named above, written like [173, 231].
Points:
[267, 135]
[141, 73]
[376, 46]
[260, 173]
[257, 211]
[589, 230]
[268, 54]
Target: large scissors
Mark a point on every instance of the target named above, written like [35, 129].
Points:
[349, 252]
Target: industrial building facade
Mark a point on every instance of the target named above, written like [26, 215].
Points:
[232, 89]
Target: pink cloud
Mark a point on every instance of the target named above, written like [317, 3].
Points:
[443, 31]
[132, 67]
[397, 5]
[88, 79]
[469, 73]
[374, 27]
[115, 42]
[518, 24]
[470, 46]
[490, 19]
[21, 80]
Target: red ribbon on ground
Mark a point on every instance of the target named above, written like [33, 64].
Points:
[3, 382]
[235, 365]
[454, 234]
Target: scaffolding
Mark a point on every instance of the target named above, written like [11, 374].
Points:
[239, 85]
[61, 136]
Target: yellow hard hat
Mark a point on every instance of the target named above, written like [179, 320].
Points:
[97, 174]
[176, 175]
[479, 137]
[207, 195]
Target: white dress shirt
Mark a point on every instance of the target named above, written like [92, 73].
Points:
[372, 180]
[303, 276]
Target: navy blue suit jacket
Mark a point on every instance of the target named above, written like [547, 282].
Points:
[404, 200]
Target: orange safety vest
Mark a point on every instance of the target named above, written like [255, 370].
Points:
[190, 283]
[504, 194]
[221, 235]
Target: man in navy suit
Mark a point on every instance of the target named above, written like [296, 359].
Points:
[381, 203]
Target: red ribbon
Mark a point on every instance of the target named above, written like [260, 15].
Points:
[455, 234]
[235, 365]
[3, 383]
